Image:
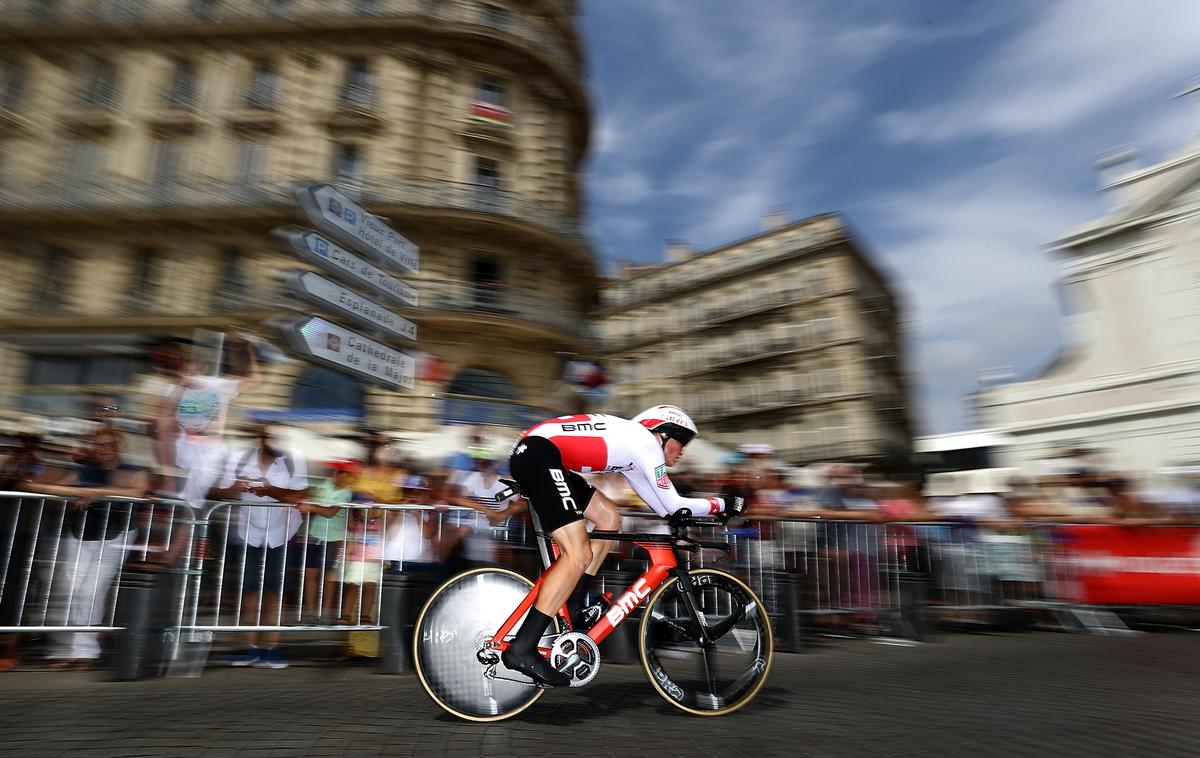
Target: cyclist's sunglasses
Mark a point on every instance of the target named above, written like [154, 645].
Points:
[682, 437]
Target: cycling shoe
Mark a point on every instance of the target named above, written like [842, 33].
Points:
[534, 666]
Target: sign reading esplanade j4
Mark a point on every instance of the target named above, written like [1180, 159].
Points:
[323, 293]
[348, 221]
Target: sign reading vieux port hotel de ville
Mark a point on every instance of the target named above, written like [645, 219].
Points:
[347, 234]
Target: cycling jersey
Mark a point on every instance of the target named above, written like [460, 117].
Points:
[601, 444]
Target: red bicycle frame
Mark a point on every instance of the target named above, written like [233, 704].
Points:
[662, 561]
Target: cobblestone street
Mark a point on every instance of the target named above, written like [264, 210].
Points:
[978, 695]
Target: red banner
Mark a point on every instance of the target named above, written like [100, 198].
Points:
[1136, 565]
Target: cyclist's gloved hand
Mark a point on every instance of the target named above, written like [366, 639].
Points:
[734, 506]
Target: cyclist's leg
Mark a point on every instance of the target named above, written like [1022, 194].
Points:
[576, 555]
[559, 497]
[605, 514]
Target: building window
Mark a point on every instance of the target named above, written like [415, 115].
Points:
[252, 159]
[328, 390]
[100, 84]
[12, 85]
[77, 374]
[347, 163]
[494, 16]
[233, 286]
[264, 86]
[487, 172]
[491, 103]
[53, 280]
[167, 157]
[144, 284]
[182, 93]
[83, 161]
[487, 286]
[367, 7]
[205, 9]
[357, 89]
[482, 383]
[279, 8]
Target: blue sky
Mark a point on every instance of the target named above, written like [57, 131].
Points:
[957, 137]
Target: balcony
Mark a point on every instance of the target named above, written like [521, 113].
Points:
[75, 17]
[91, 113]
[355, 109]
[176, 110]
[258, 111]
[501, 302]
[123, 195]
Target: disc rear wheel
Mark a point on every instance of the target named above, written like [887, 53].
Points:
[455, 624]
[706, 680]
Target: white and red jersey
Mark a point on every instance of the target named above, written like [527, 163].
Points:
[597, 443]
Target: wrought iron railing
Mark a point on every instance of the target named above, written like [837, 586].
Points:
[116, 194]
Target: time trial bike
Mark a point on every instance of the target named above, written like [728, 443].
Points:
[704, 641]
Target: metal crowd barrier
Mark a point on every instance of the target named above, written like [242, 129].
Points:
[67, 570]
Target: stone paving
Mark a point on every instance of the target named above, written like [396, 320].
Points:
[961, 695]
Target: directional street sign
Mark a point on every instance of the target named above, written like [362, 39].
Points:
[322, 292]
[314, 248]
[324, 342]
[337, 214]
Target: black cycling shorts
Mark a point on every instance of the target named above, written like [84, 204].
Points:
[556, 495]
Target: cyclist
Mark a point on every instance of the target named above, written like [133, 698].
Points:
[547, 461]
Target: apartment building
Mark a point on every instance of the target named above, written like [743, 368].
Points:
[789, 337]
[148, 148]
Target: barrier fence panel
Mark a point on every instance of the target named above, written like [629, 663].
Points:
[62, 561]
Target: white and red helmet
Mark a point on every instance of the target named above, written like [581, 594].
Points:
[669, 421]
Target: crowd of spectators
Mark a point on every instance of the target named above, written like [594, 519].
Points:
[308, 542]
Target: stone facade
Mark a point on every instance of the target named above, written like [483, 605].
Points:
[148, 150]
[788, 338]
[1127, 382]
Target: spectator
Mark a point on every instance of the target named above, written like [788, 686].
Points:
[324, 536]
[478, 492]
[18, 522]
[464, 460]
[363, 566]
[97, 536]
[377, 480]
[264, 474]
[190, 422]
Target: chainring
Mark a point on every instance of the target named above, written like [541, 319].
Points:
[576, 655]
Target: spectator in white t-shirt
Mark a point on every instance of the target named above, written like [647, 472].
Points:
[191, 421]
[478, 491]
[264, 474]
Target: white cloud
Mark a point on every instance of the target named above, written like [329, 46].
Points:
[969, 256]
[1077, 59]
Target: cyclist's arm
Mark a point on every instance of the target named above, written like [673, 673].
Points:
[658, 491]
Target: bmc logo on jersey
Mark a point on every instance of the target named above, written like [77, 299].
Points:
[625, 605]
[586, 426]
[660, 476]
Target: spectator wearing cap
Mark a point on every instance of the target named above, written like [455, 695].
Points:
[325, 533]
[266, 473]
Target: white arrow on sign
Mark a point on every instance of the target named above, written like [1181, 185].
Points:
[325, 342]
[339, 215]
[320, 291]
[314, 248]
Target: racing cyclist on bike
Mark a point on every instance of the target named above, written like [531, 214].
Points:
[547, 461]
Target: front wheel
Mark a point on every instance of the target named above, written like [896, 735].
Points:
[456, 622]
[720, 678]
